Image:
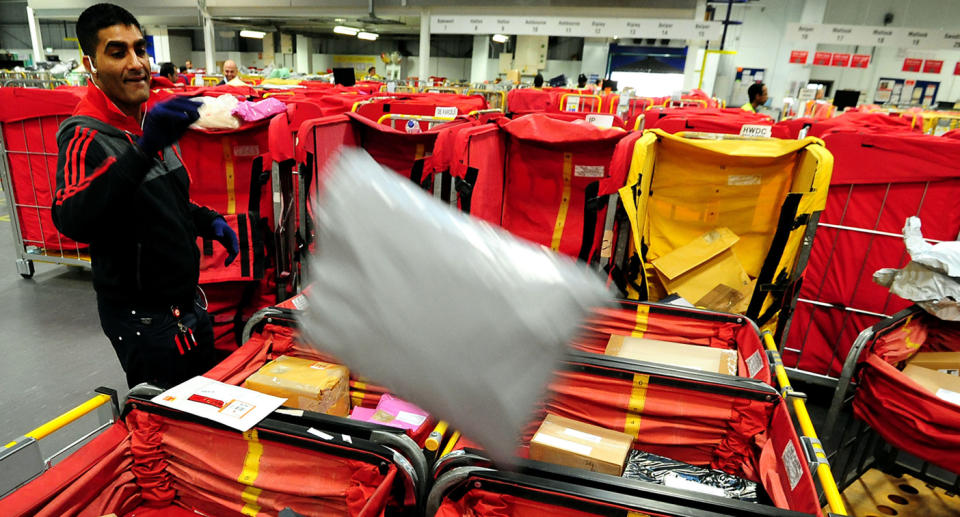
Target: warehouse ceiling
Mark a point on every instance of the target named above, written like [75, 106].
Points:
[319, 17]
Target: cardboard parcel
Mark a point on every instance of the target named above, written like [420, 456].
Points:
[706, 272]
[703, 358]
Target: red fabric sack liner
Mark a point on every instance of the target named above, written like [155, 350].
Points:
[478, 502]
[33, 175]
[604, 322]
[740, 436]
[546, 130]
[146, 464]
[905, 414]
[896, 171]
[31, 103]
[277, 340]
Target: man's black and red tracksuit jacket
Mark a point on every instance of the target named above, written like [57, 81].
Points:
[134, 210]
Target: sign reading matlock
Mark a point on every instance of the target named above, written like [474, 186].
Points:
[573, 26]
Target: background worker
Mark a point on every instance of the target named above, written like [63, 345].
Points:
[122, 188]
[757, 93]
[229, 72]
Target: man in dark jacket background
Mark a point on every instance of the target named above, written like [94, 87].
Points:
[122, 188]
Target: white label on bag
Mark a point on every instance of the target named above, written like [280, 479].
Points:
[560, 443]
[949, 371]
[792, 464]
[573, 103]
[246, 150]
[588, 171]
[582, 435]
[754, 363]
[803, 132]
[756, 130]
[410, 418]
[347, 438]
[300, 302]
[445, 112]
[743, 180]
[674, 480]
[319, 434]
[601, 121]
[950, 396]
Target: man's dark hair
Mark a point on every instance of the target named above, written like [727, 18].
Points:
[183, 69]
[754, 91]
[581, 81]
[168, 69]
[538, 80]
[371, 69]
[101, 16]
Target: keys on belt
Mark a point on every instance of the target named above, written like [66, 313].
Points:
[184, 338]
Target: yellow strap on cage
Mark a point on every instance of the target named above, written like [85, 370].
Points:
[564, 201]
[419, 152]
[643, 314]
[638, 396]
[231, 178]
[251, 469]
[356, 397]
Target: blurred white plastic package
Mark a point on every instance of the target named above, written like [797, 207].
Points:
[932, 277]
[460, 317]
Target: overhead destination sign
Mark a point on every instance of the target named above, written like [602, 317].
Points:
[571, 26]
[903, 37]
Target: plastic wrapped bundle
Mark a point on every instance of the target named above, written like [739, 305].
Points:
[644, 466]
[458, 316]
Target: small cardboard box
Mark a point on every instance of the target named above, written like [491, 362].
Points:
[699, 267]
[563, 441]
[944, 362]
[944, 386]
[306, 384]
[697, 357]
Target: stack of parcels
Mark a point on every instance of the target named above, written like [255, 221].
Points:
[306, 384]
[705, 272]
[570, 443]
[696, 357]
[938, 372]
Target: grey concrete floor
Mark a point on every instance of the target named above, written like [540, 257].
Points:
[53, 353]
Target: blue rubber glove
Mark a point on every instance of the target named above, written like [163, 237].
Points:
[166, 122]
[225, 235]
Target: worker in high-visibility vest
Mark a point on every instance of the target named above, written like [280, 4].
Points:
[757, 93]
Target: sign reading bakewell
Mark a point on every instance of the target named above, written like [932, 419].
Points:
[932, 66]
[822, 58]
[799, 56]
[840, 60]
[859, 60]
[912, 65]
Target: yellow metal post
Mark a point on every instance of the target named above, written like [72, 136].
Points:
[703, 65]
[806, 427]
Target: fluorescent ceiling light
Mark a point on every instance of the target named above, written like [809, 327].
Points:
[500, 38]
[252, 34]
[370, 36]
[349, 31]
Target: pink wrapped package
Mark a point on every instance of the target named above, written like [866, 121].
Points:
[393, 412]
[254, 111]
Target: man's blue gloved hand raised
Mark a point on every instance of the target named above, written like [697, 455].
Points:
[166, 123]
[227, 237]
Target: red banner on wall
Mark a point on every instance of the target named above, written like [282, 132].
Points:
[822, 58]
[799, 56]
[840, 60]
[932, 66]
[956, 68]
[912, 65]
[860, 61]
